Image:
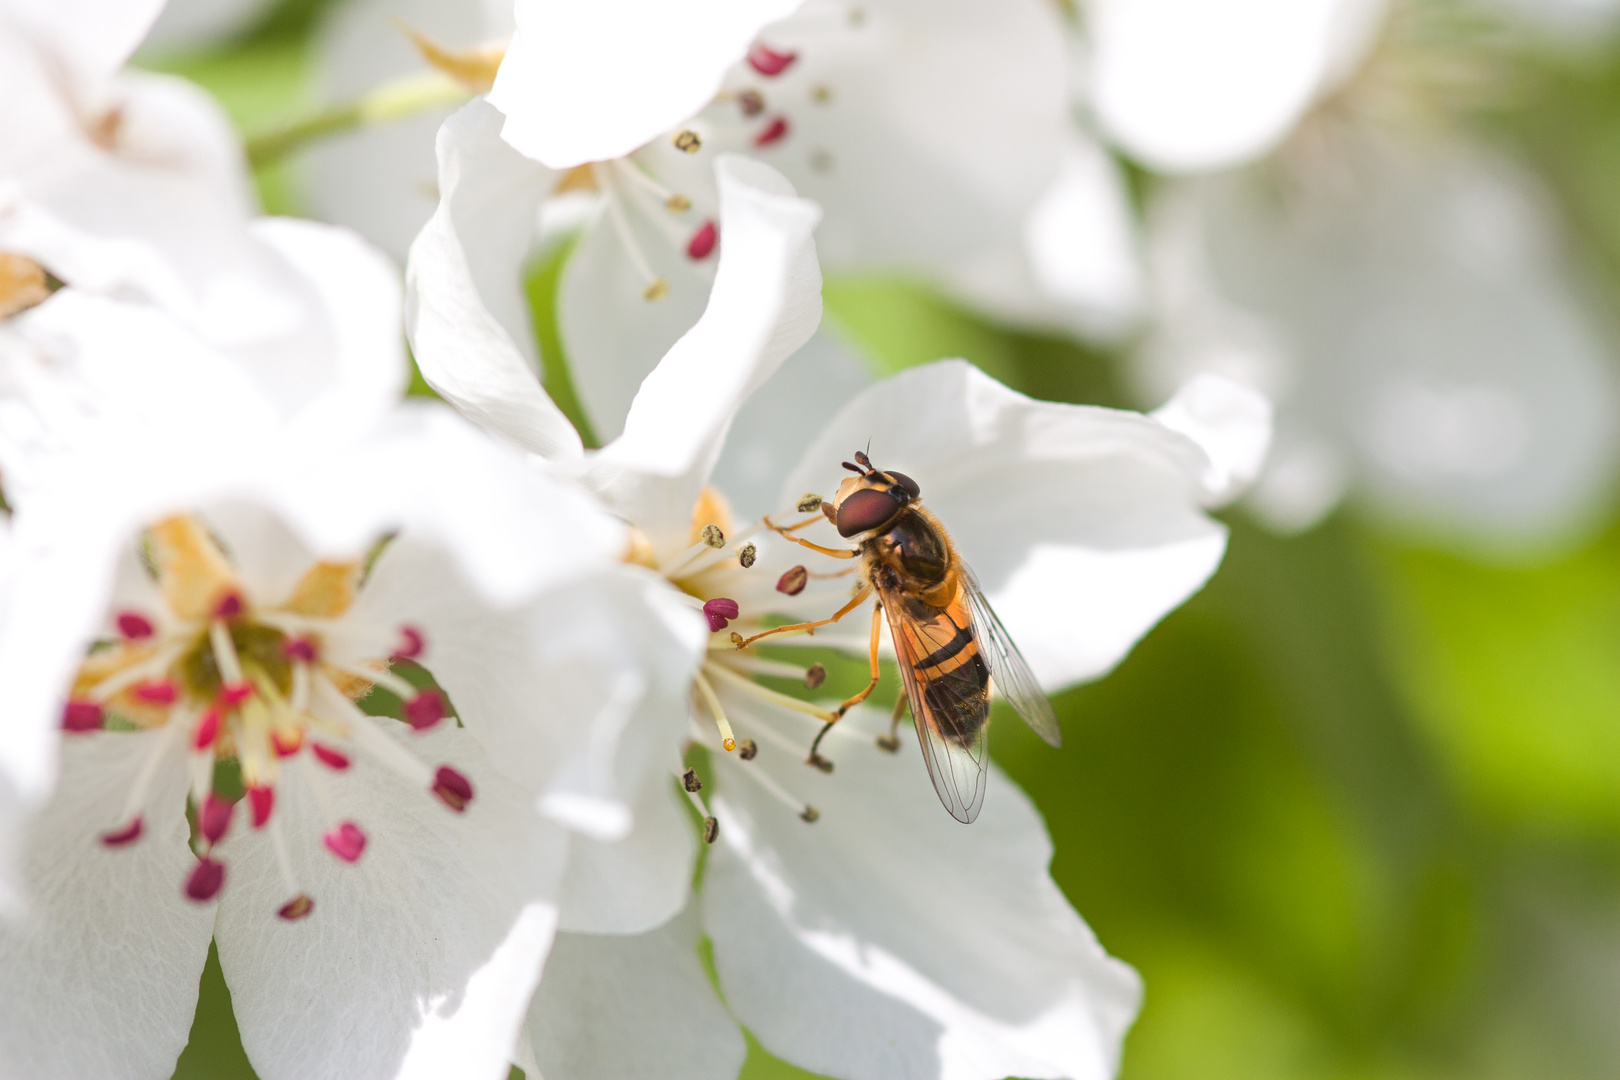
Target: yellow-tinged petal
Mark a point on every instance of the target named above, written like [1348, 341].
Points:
[192, 571]
[474, 68]
[326, 590]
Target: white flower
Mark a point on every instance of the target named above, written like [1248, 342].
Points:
[1086, 526]
[385, 896]
[124, 182]
[1418, 326]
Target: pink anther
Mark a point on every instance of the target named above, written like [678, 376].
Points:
[127, 835]
[701, 246]
[411, 644]
[332, 759]
[425, 709]
[456, 790]
[768, 62]
[261, 801]
[206, 879]
[135, 626]
[773, 132]
[346, 841]
[158, 692]
[300, 649]
[207, 730]
[215, 818]
[82, 716]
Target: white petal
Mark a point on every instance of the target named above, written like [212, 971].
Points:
[190, 24]
[383, 178]
[99, 977]
[631, 885]
[766, 303]
[1188, 86]
[632, 1008]
[466, 314]
[927, 129]
[579, 694]
[417, 960]
[92, 38]
[1230, 422]
[591, 82]
[885, 940]
[1083, 524]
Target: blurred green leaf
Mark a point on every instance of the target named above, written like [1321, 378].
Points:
[215, 1049]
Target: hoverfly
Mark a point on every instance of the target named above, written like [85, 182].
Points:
[950, 646]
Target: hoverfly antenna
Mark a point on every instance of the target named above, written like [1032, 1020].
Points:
[856, 469]
[860, 455]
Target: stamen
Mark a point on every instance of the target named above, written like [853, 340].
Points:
[205, 880]
[214, 819]
[300, 650]
[296, 908]
[332, 759]
[793, 581]
[814, 676]
[808, 503]
[382, 677]
[225, 658]
[727, 739]
[233, 694]
[690, 784]
[144, 671]
[774, 132]
[792, 704]
[163, 692]
[286, 743]
[135, 626]
[702, 243]
[758, 665]
[690, 781]
[454, 789]
[425, 709]
[673, 201]
[278, 843]
[412, 644]
[713, 537]
[206, 731]
[688, 142]
[347, 842]
[229, 607]
[748, 749]
[720, 611]
[363, 731]
[747, 555]
[82, 716]
[136, 802]
[768, 62]
[127, 835]
[759, 776]
[656, 287]
[751, 102]
[261, 802]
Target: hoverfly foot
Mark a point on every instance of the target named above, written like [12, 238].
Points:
[888, 744]
[819, 762]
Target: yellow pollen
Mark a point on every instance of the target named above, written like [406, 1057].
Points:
[656, 289]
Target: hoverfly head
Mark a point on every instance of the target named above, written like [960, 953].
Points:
[872, 498]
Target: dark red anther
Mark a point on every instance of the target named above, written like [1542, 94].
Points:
[424, 710]
[135, 626]
[718, 611]
[333, 759]
[158, 692]
[768, 62]
[793, 581]
[82, 716]
[346, 841]
[453, 788]
[207, 730]
[296, 908]
[701, 246]
[411, 644]
[300, 649]
[215, 818]
[127, 835]
[206, 879]
[261, 801]
[233, 694]
[229, 606]
[773, 132]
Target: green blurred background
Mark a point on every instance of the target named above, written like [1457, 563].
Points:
[1353, 811]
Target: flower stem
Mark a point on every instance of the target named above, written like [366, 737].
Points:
[392, 100]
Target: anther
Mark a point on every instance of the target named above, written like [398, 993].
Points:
[748, 749]
[127, 835]
[161, 692]
[768, 62]
[215, 818]
[711, 830]
[688, 142]
[424, 710]
[702, 243]
[819, 762]
[346, 841]
[690, 781]
[809, 814]
[207, 730]
[135, 626]
[751, 102]
[233, 695]
[332, 759]
[296, 908]
[656, 289]
[719, 612]
[747, 555]
[452, 788]
[301, 650]
[205, 880]
[287, 743]
[809, 503]
[822, 94]
[713, 536]
[411, 644]
[773, 132]
[676, 203]
[814, 676]
[82, 716]
[737, 639]
[261, 801]
[793, 581]
[229, 606]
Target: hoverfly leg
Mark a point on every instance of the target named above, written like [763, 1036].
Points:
[807, 627]
[891, 742]
[877, 672]
[785, 533]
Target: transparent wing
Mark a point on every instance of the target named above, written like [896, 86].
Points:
[950, 702]
[1008, 669]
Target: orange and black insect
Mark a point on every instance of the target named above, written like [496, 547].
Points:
[950, 646]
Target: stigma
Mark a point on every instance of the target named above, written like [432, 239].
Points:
[249, 690]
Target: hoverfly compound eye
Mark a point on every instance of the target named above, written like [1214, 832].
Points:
[864, 510]
[904, 483]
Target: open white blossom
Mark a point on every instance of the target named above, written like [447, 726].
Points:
[1061, 509]
[247, 554]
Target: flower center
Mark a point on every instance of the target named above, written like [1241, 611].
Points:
[232, 680]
